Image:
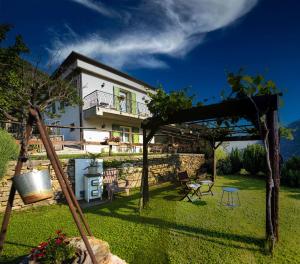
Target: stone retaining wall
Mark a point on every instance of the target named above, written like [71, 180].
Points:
[161, 168]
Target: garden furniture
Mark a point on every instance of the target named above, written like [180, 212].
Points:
[183, 177]
[208, 183]
[110, 180]
[231, 200]
[193, 190]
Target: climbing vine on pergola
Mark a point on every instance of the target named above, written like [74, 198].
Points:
[257, 110]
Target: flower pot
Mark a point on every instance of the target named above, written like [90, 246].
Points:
[113, 143]
[93, 169]
[33, 186]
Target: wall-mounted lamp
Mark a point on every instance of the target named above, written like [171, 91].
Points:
[102, 85]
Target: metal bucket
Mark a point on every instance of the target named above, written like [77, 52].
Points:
[33, 186]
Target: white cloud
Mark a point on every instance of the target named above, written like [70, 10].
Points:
[169, 27]
[97, 6]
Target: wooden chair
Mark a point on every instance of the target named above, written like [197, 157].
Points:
[183, 177]
[110, 180]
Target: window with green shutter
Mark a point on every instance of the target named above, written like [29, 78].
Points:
[133, 103]
[116, 130]
[116, 97]
[135, 135]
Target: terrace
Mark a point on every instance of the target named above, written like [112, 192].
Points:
[100, 103]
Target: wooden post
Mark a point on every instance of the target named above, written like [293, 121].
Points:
[272, 121]
[214, 167]
[12, 192]
[110, 150]
[145, 184]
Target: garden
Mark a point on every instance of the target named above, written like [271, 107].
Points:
[173, 231]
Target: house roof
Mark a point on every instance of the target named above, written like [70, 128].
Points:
[73, 56]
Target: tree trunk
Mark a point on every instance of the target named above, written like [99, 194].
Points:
[275, 160]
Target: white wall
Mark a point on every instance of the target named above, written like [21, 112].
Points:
[91, 83]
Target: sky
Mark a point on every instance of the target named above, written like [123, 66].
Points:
[173, 43]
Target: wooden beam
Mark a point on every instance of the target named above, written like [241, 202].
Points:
[233, 108]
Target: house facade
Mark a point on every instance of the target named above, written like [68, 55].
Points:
[113, 104]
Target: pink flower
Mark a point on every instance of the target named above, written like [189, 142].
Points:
[58, 241]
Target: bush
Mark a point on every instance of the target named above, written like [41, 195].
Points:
[224, 166]
[236, 160]
[254, 159]
[290, 174]
[8, 150]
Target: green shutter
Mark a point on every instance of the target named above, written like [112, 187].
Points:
[116, 97]
[133, 103]
[135, 136]
[115, 129]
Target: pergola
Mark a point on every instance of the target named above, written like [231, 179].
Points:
[250, 108]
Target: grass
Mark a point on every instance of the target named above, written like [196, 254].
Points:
[173, 231]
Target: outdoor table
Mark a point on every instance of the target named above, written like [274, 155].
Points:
[210, 184]
[193, 190]
[230, 197]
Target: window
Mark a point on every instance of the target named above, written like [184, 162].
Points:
[125, 134]
[72, 125]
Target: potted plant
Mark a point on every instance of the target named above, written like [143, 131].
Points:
[55, 250]
[94, 164]
[114, 140]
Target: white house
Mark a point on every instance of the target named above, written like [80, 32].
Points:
[114, 103]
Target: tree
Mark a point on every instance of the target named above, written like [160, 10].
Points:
[23, 84]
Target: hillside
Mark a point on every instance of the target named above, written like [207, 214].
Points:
[291, 147]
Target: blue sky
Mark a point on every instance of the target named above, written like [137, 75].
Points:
[176, 43]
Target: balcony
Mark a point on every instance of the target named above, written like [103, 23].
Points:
[100, 103]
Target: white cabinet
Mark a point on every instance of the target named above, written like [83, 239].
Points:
[93, 186]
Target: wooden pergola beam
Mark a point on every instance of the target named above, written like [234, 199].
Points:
[233, 108]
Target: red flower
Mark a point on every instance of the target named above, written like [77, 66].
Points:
[58, 241]
[42, 245]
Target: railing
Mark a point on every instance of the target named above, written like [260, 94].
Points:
[110, 101]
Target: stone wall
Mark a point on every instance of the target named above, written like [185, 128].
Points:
[161, 168]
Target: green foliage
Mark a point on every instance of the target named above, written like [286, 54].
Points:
[243, 85]
[162, 104]
[224, 166]
[55, 250]
[22, 83]
[290, 174]
[220, 153]
[8, 150]
[254, 159]
[94, 157]
[236, 160]
[286, 133]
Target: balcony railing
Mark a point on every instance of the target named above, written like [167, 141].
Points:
[113, 102]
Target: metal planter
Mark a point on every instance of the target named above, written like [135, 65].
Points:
[33, 186]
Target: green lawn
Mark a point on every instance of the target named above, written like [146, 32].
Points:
[173, 231]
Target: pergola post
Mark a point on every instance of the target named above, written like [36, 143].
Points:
[145, 184]
[272, 122]
[214, 163]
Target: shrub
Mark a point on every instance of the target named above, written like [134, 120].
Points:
[254, 159]
[290, 174]
[236, 160]
[224, 166]
[220, 153]
[8, 150]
